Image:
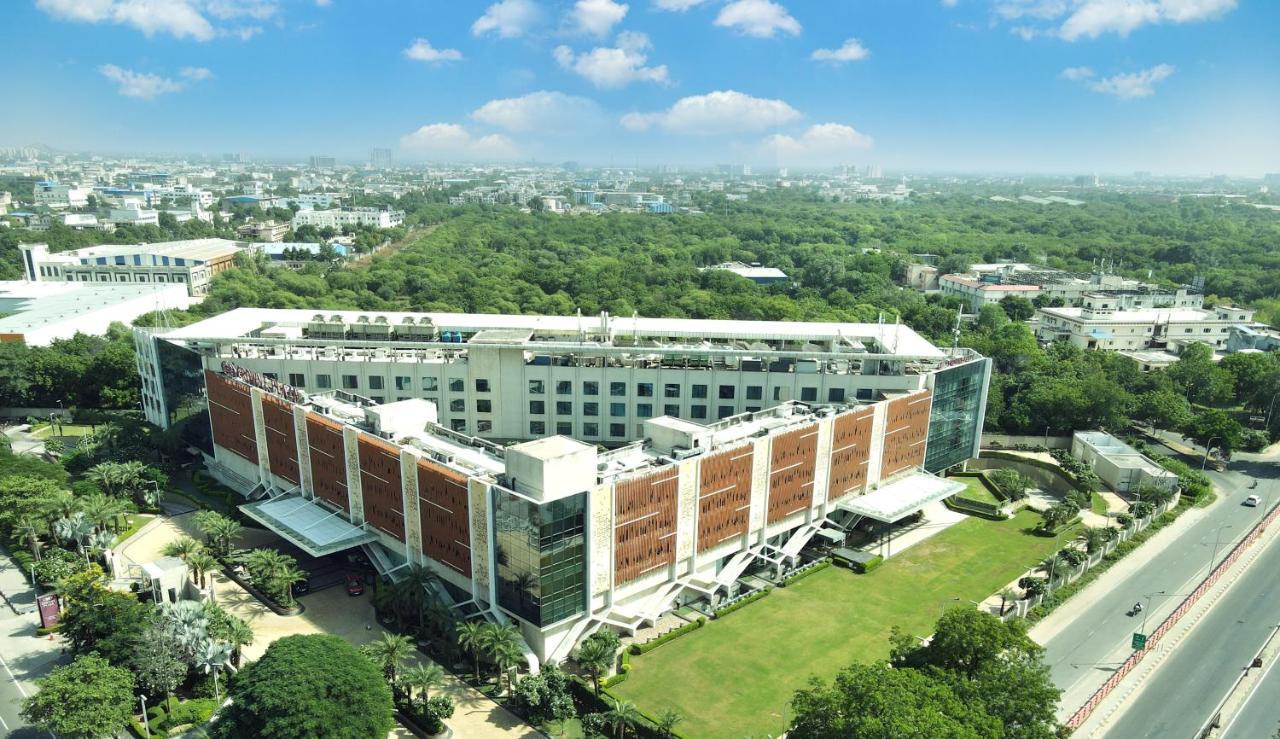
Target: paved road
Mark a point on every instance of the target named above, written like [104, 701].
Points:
[1178, 697]
[1260, 715]
[1084, 653]
[23, 656]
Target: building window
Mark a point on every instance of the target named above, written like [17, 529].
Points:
[297, 380]
[564, 428]
[724, 411]
[482, 385]
[591, 387]
[271, 375]
[537, 428]
[617, 389]
[835, 395]
[459, 425]
[754, 392]
[644, 410]
[808, 394]
[865, 393]
[564, 408]
[537, 387]
[430, 384]
[697, 411]
[671, 410]
[484, 425]
[590, 409]
[726, 392]
[617, 429]
[323, 382]
[457, 385]
[699, 391]
[484, 405]
[777, 393]
[617, 409]
[404, 383]
[644, 389]
[564, 387]
[537, 407]
[590, 429]
[457, 405]
[375, 382]
[670, 390]
[350, 382]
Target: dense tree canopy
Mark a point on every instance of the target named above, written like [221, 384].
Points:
[85, 699]
[308, 686]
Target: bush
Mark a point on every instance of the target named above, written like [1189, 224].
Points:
[726, 610]
[654, 643]
[439, 708]
[195, 711]
[870, 565]
[819, 566]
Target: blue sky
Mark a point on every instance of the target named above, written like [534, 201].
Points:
[1172, 86]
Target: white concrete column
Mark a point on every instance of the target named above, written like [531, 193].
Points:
[879, 420]
[260, 435]
[761, 461]
[482, 564]
[307, 483]
[355, 499]
[409, 505]
[687, 514]
[822, 466]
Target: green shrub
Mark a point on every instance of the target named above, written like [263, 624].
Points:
[870, 565]
[653, 644]
[722, 612]
[195, 711]
[819, 567]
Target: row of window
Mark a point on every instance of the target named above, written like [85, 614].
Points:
[565, 387]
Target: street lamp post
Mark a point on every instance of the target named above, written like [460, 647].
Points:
[1208, 447]
[1270, 407]
[1147, 612]
[1216, 540]
[145, 723]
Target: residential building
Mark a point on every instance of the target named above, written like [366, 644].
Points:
[754, 272]
[323, 162]
[1253, 337]
[470, 444]
[1123, 468]
[52, 194]
[336, 218]
[380, 158]
[134, 216]
[192, 263]
[977, 293]
[1104, 323]
[38, 313]
[922, 277]
[263, 231]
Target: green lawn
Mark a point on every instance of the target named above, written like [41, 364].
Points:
[976, 489]
[45, 431]
[134, 522]
[1097, 504]
[734, 677]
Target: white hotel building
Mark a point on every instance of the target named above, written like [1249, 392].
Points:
[1104, 322]
[339, 217]
[475, 446]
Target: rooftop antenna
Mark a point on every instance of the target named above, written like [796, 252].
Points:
[955, 332]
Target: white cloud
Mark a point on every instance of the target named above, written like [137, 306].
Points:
[949, 3]
[1075, 74]
[421, 50]
[449, 141]
[544, 111]
[851, 51]
[1076, 19]
[820, 144]
[613, 67]
[1133, 85]
[145, 85]
[723, 111]
[324, 3]
[597, 17]
[759, 18]
[178, 18]
[196, 74]
[678, 6]
[507, 18]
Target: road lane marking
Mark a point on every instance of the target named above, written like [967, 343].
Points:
[1226, 729]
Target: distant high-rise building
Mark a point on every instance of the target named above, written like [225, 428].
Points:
[380, 158]
[1271, 178]
[322, 162]
[232, 158]
[1089, 180]
[569, 166]
[872, 172]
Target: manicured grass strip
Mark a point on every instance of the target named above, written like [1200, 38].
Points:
[976, 489]
[136, 521]
[734, 677]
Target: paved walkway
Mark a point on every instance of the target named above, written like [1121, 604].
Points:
[24, 657]
[329, 611]
[937, 517]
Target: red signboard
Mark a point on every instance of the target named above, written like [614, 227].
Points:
[49, 607]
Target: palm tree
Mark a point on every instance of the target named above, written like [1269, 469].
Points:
[29, 527]
[423, 677]
[595, 656]
[240, 635]
[471, 637]
[74, 528]
[182, 548]
[218, 530]
[212, 656]
[201, 562]
[98, 509]
[622, 715]
[667, 721]
[100, 542]
[506, 655]
[388, 653]
[1006, 595]
[409, 595]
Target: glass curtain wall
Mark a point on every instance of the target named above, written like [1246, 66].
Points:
[541, 556]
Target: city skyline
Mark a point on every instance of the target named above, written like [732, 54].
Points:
[1168, 86]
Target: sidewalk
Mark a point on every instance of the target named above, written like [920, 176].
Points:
[24, 657]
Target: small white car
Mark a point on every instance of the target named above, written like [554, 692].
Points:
[1252, 501]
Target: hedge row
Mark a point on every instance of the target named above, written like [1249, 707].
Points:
[722, 612]
[656, 642]
[821, 565]
[974, 508]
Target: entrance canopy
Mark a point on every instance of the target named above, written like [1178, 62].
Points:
[308, 525]
[902, 497]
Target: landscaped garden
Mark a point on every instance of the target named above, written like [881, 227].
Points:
[976, 488]
[735, 677]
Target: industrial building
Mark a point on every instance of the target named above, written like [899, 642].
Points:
[568, 473]
[191, 263]
[37, 313]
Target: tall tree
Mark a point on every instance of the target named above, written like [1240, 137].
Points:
[86, 699]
